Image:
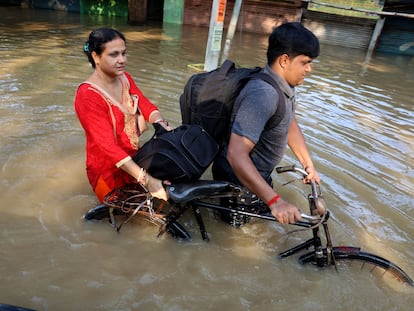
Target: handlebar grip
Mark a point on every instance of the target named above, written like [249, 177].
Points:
[283, 169]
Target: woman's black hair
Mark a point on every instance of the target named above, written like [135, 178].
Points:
[97, 40]
[292, 39]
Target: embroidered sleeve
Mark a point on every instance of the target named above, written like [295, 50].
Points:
[95, 117]
[123, 161]
[144, 103]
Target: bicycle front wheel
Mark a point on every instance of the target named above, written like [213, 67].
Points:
[355, 254]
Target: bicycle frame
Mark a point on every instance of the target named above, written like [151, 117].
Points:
[316, 208]
[311, 221]
[195, 197]
[204, 193]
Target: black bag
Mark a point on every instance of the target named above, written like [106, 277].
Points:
[182, 154]
[208, 98]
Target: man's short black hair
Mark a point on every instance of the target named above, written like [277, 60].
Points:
[292, 39]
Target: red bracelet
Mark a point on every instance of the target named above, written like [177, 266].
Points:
[273, 200]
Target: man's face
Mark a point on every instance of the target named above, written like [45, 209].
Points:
[297, 68]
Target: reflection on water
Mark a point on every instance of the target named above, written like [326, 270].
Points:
[357, 118]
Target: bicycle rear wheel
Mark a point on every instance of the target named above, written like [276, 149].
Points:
[134, 200]
[355, 254]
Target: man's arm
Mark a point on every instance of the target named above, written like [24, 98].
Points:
[238, 155]
[297, 144]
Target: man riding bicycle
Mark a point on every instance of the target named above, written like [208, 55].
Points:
[253, 149]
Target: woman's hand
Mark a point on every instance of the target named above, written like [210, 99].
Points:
[164, 123]
[156, 188]
[153, 185]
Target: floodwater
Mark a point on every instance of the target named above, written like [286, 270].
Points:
[357, 116]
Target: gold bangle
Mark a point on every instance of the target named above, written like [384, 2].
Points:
[142, 174]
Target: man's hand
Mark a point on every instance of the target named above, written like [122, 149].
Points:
[312, 174]
[284, 212]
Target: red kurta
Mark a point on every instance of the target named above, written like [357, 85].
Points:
[112, 135]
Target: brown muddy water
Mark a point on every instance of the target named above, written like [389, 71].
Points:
[358, 120]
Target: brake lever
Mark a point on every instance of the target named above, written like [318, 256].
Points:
[310, 218]
[320, 205]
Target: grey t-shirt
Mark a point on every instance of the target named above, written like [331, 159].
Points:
[254, 106]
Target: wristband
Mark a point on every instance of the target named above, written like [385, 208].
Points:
[161, 121]
[273, 200]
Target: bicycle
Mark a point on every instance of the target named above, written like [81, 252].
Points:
[240, 206]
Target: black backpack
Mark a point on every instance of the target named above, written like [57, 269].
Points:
[182, 154]
[208, 98]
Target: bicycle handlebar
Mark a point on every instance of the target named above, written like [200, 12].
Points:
[294, 168]
[291, 168]
[317, 199]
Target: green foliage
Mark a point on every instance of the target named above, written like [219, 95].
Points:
[107, 7]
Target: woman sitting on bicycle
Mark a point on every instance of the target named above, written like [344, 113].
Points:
[113, 112]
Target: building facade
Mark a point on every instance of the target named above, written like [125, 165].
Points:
[377, 25]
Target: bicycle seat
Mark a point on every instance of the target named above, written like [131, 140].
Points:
[184, 192]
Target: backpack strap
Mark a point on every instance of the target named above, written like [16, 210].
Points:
[281, 107]
[226, 67]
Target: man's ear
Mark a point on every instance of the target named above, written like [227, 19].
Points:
[283, 60]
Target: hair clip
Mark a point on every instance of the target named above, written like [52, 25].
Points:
[86, 47]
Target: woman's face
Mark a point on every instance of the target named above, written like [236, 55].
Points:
[113, 59]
